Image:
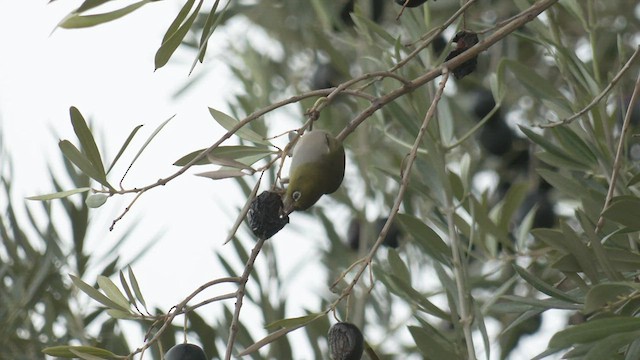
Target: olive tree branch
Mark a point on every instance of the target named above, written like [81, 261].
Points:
[598, 98]
[617, 162]
[233, 329]
[181, 308]
[523, 18]
[404, 184]
[437, 32]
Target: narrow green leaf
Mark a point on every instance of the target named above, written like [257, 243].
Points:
[539, 86]
[512, 201]
[136, 287]
[430, 346]
[230, 124]
[247, 155]
[175, 24]
[479, 321]
[146, 143]
[561, 162]
[547, 145]
[95, 294]
[119, 314]
[85, 356]
[207, 31]
[542, 286]
[75, 20]
[573, 144]
[127, 289]
[65, 351]
[292, 322]
[634, 180]
[609, 347]
[212, 22]
[111, 290]
[80, 160]
[222, 174]
[548, 303]
[96, 200]
[569, 242]
[601, 295]
[124, 147]
[87, 142]
[230, 163]
[58, 195]
[419, 299]
[366, 23]
[398, 267]
[624, 211]
[170, 44]
[425, 237]
[276, 335]
[593, 330]
[564, 184]
[90, 4]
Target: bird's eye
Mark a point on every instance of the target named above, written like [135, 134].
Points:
[296, 195]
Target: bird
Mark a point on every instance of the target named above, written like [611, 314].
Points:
[317, 168]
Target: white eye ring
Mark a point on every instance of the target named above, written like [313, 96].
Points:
[296, 195]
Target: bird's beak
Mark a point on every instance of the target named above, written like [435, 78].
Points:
[287, 206]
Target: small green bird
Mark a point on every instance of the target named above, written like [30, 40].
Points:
[317, 168]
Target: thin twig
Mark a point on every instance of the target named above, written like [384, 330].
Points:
[618, 160]
[428, 41]
[180, 309]
[524, 17]
[404, 184]
[233, 329]
[126, 210]
[597, 99]
[460, 275]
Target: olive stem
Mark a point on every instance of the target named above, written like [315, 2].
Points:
[617, 162]
[233, 329]
[521, 19]
[598, 98]
[180, 309]
[405, 175]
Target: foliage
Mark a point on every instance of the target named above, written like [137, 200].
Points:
[39, 306]
[544, 114]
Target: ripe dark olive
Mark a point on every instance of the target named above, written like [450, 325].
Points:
[545, 216]
[345, 342]
[326, 76]
[391, 240]
[185, 352]
[438, 45]
[496, 137]
[464, 40]
[266, 216]
[411, 3]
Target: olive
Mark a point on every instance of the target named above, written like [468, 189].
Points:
[345, 342]
[411, 3]
[391, 240]
[266, 215]
[185, 352]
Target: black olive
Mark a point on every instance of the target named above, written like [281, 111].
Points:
[411, 3]
[464, 40]
[185, 352]
[266, 216]
[345, 342]
[391, 240]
